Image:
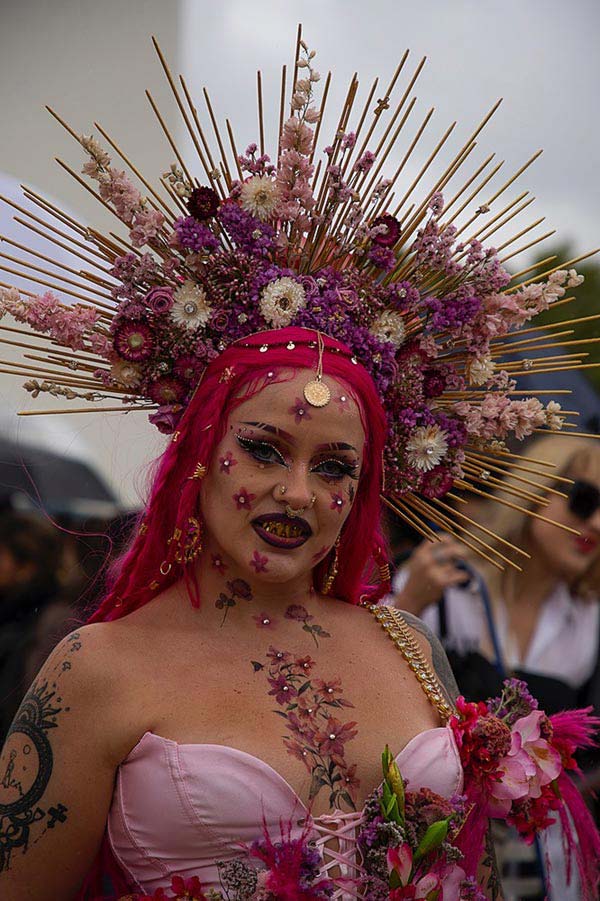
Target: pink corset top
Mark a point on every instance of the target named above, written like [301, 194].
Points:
[180, 808]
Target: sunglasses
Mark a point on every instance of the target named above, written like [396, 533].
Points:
[584, 499]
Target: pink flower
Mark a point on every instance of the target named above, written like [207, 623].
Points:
[147, 224]
[259, 562]
[226, 462]
[299, 411]
[400, 860]
[281, 690]
[218, 564]
[337, 502]
[296, 136]
[243, 499]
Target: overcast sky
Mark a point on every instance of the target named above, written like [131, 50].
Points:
[541, 56]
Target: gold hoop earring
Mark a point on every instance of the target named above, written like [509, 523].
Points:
[333, 569]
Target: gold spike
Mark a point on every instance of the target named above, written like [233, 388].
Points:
[88, 301]
[281, 108]
[525, 247]
[56, 275]
[224, 164]
[508, 472]
[122, 409]
[461, 483]
[205, 158]
[259, 100]
[234, 149]
[475, 473]
[318, 126]
[94, 194]
[168, 136]
[568, 434]
[454, 512]
[398, 505]
[296, 57]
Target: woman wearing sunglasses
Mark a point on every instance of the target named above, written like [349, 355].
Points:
[541, 624]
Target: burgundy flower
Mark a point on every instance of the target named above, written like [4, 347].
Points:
[265, 621]
[259, 562]
[280, 689]
[187, 888]
[328, 690]
[331, 738]
[298, 612]
[160, 300]
[218, 564]
[305, 664]
[277, 656]
[391, 234]
[296, 750]
[226, 462]
[350, 781]
[243, 499]
[203, 203]
[382, 257]
[167, 390]
[437, 482]
[308, 706]
[166, 418]
[337, 502]
[239, 588]
[134, 341]
[188, 367]
[299, 411]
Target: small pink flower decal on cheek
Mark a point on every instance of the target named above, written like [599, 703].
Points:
[337, 502]
[259, 562]
[299, 411]
[264, 621]
[218, 564]
[226, 462]
[243, 499]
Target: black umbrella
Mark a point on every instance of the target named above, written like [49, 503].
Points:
[31, 477]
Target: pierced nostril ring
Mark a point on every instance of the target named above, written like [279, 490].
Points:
[312, 500]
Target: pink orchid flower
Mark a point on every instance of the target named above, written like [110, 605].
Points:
[428, 887]
[530, 764]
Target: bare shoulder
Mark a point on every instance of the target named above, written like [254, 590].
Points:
[435, 653]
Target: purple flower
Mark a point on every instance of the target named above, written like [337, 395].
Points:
[382, 257]
[453, 311]
[160, 299]
[166, 418]
[195, 236]
[247, 232]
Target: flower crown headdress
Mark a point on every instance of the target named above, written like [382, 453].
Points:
[321, 242]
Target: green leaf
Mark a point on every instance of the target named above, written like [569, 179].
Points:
[432, 839]
[303, 687]
[395, 880]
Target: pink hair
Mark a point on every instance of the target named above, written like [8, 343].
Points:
[236, 375]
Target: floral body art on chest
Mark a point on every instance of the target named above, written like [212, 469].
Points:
[217, 563]
[237, 589]
[313, 710]
[301, 615]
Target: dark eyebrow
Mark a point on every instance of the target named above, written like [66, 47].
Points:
[337, 446]
[273, 430]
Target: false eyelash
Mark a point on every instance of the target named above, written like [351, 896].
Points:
[349, 469]
[251, 444]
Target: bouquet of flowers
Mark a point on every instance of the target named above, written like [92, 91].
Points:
[420, 845]
[516, 762]
[407, 843]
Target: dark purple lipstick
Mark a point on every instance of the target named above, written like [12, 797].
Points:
[282, 531]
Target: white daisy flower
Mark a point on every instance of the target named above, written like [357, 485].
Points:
[481, 369]
[553, 420]
[427, 447]
[190, 307]
[389, 326]
[281, 300]
[125, 373]
[260, 196]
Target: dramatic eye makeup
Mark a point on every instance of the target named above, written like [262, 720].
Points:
[337, 468]
[262, 451]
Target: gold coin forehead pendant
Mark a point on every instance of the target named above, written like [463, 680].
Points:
[316, 391]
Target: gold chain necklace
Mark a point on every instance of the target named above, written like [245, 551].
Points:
[392, 621]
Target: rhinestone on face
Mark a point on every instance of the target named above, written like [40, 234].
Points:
[270, 375]
[330, 691]
[290, 345]
[228, 463]
[242, 500]
[332, 736]
[339, 502]
[263, 348]
[343, 398]
[285, 688]
[266, 622]
[279, 655]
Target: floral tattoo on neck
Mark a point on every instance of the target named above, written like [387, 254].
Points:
[236, 589]
[318, 736]
[301, 615]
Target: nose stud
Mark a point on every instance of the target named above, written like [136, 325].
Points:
[282, 489]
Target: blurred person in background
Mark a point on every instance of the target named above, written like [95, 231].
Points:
[30, 561]
[541, 624]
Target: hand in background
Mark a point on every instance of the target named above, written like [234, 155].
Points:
[429, 571]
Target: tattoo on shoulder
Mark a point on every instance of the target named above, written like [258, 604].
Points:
[27, 760]
[439, 660]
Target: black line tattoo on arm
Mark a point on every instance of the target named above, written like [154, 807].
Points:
[439, 660]
[27, 761]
